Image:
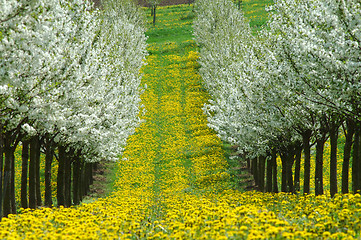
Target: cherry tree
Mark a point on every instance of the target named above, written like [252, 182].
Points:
[320, 41]
[70, 78]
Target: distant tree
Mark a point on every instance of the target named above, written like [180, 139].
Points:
[153, 8]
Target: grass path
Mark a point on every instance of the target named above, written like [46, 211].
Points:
[173, 181]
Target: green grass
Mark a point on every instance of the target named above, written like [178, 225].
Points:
[179, 17]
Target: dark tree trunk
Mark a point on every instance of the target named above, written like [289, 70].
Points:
[274, 171]
[284, 172]
[60, 178]
[67, 179]
[248, 164]
[9, 153]
[93, 167]
[287, 174]
[350, 130]
[154, 13]
[90, 175]
[333, 158]
[49, 154]
[269, 176]
[82, 180]
[254, 167]
[37, 174]
[290, 162]
[320, 143]
[24, 175]
[306, 136]
[261, 172]
[356, 161]
[76, 173]
[1, 170]
[12, 181]
[32, 172]
[298, 167]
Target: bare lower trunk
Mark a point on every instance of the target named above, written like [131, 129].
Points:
[254, 167]
[319, 167]
[7, 177]
[37, 174]
[306, 136]
[1, 170]
[356, 161]
[60, 177]
[350, 130]
[154, 14]
[269, 174]
[24, 175]
[284, 172]
[76, 178]
[261, 173]
[67, 179]
[298, 167]
[333, 159]
[274, 171]
[49, 154]
[32, 172]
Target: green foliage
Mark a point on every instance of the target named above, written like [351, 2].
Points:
[255, 11]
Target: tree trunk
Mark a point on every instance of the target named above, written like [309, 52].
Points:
[284, 172]
[37, 174]
[24, 175]
[350, 130]
[248, 164]
[60, 178]
[254, 167]
[32, 172]
[93, 167]
[269, 174]
[261, 172]
[320, 143]
[76, 178]
[274, 171]
[82, 180]
[306, 136]
[154, 13]
[7, 177]
[67, 179]
[49, 154]
[333, 158]
[290, 162]
[1, 170]
[297, 167]
[90, 175]
[12, 181]
[356, 161]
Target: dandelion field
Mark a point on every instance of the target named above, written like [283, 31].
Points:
[174, 181]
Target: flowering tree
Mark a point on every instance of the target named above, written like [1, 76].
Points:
[70, 79]
[320, 40]
[280, 89]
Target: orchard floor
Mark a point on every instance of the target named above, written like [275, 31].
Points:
[173, 180]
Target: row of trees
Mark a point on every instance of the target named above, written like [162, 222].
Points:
[293, 85]
[69, 88]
